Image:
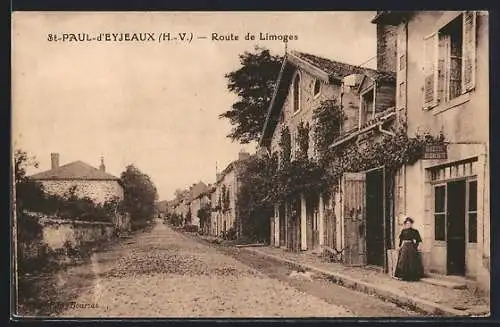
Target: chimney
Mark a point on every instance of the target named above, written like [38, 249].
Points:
[243, 155]
[102, 166]
[54, 159]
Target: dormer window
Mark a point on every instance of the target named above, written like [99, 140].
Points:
[317, 87]
[296, 93]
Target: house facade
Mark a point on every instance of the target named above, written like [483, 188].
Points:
[311, 221]
[200, 201]
[441, 64]
[86, 180]
[224, 198]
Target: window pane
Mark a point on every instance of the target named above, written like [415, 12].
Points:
[296, 91]
[439, 196]
[439, 227]
[472, 228]
[473, 196]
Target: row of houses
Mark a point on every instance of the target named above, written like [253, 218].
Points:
[431, 77]
[218, 199]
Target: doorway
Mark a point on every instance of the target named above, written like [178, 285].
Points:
[375, 225]
[312, 232]
[455, 228]
[282, 225]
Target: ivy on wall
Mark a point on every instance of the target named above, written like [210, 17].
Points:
[303, 140]
[286, 146]
[328, 119]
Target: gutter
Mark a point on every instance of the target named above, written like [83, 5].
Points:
[366, 129]
[273, 99]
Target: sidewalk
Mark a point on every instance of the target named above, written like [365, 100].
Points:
[432, 299]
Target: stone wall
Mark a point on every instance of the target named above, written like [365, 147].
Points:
[386, 47]
[98, 191]
[59, 234]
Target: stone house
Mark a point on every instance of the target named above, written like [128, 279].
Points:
[304, 82]
[198, 198]
[225, 197]
[96, 184]
[441, 62]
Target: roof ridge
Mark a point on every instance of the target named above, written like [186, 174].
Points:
[331, 60]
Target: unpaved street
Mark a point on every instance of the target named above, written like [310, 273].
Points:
[164, 273]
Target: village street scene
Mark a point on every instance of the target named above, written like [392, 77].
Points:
[335, 169]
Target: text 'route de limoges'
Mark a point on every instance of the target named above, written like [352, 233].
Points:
[167, 37]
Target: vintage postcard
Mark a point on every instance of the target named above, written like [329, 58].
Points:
[250, 164]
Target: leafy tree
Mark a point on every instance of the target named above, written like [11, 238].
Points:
[140, 195]
[28, 193]
[21, 162]
[253, 83]
[256, 196]
[204, 214]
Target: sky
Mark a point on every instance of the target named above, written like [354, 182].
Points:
[152, 104]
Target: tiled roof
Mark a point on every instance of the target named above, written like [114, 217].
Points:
[334, 68]
[326, 69]
[77, 170]
[197, 190]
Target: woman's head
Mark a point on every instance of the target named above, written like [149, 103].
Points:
[408, 222]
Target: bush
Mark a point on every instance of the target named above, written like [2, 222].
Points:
[229, 235]
[191, 228]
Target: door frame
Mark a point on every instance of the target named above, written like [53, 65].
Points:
[444, 183]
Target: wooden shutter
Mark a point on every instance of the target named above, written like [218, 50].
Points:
[443, 68]
[353, 217]
[430, 70]
[402, 60]
[469, 51]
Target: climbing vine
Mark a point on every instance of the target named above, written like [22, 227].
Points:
[327, 123]
[286, 146]
[303, 140]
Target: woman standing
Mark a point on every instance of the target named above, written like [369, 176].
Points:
[409, 266]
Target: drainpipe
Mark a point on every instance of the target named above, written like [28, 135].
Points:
[384, 131]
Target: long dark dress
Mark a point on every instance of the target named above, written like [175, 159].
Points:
[409, 266]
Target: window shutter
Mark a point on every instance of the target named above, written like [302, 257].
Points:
[443, 68]
[469, 51]
[430, 71]
[401, 67]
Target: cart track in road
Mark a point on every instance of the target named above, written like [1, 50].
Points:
[361, 304]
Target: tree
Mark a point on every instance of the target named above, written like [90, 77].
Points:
[204, 214]
[253, 83]
[140, 195]
[256, 196]
[21, 162]
[28, 193]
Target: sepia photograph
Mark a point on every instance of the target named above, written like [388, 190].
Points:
[250, 164]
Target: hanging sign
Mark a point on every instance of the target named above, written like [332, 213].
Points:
[436, 151]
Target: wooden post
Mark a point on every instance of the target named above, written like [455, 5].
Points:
[321, 213]
[303, 223]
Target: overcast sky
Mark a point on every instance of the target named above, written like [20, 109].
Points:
[152, 104]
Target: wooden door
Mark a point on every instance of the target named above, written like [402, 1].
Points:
[353, 218]
[455, 231]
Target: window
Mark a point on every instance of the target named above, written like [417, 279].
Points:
[440, 213]
[472, 212]
[367, 107]
[402, 91]
[296, 93]
[317, 87]
[450, 58]
[402, 62]
[449, 63]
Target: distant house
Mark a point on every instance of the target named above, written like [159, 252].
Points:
[197, 199]
[87, 181]
[225, 195]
